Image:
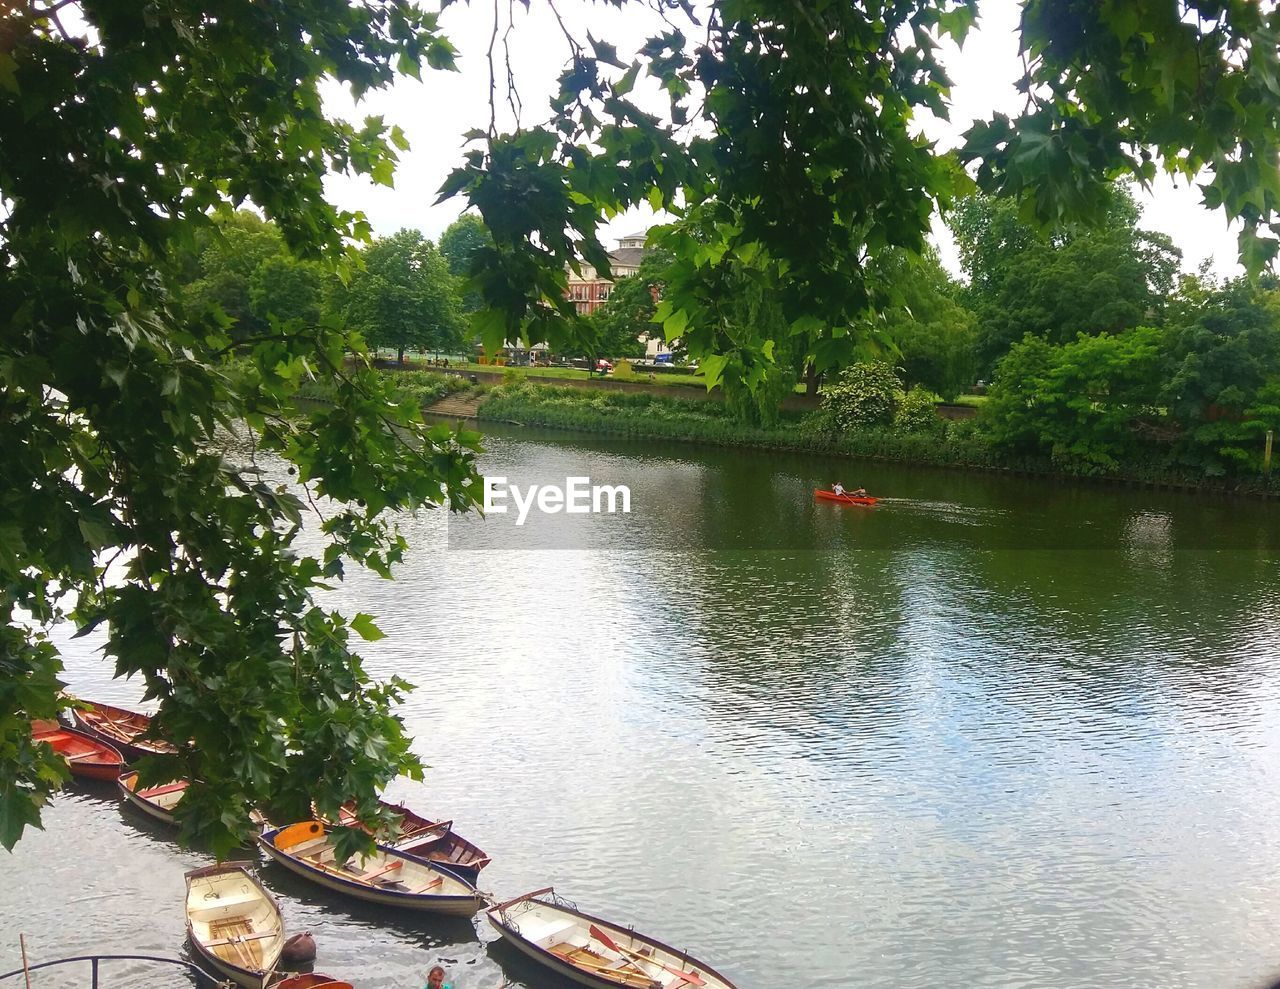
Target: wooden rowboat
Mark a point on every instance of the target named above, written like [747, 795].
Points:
[119, 727]
[435, 841]
[158, 801]
[85, 755]
[388, 877]
[311, 980]
[594, 952]
[824, 495]
[234, 924]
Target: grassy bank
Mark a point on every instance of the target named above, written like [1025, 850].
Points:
[950, 444]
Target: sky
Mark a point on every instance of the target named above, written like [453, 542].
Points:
[435, 113]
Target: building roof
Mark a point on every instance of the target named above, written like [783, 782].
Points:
[627, 256]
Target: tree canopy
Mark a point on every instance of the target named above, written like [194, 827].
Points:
[403, 297]
[1100, 278]
[789, 155]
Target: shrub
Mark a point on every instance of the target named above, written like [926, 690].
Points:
[866, 395]
[917, 413]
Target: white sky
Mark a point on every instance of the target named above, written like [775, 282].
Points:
[435, 113]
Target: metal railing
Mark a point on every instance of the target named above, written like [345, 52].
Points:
[202, 977]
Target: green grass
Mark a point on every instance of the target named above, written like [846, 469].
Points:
[976, 401]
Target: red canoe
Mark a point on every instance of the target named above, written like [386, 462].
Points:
[120, 728]
[822, 494]
[85, 755]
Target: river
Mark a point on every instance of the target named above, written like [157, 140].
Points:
[993, 732]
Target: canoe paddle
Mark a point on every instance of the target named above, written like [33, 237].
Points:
[608, 942]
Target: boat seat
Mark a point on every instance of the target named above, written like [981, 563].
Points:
[307, 846]
[213, 908]
[545, 933]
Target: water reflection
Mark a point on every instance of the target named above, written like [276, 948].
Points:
[995, 732]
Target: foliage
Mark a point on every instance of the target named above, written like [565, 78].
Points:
[917, 412]
[1101, 279]
[126, 502]
[458, 243]
[866, 394]
[805, 161]
[1225, 372]
[404, 297]
[1077, 402]
[935, 336]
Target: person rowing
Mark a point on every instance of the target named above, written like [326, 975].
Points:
[838, 488]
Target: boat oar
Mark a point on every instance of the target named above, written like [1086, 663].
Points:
[609, 942]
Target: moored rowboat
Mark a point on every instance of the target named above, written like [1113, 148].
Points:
[824, 495]
[234, 924]
[435, 841]
[594, 952]
[311, 980]
[84, 755]
[158, 801]
[119, 727]
[388, 877]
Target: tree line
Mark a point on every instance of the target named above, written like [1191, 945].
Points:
[402, 292]
[789, 153]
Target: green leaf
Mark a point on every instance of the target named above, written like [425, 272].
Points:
[367, 630]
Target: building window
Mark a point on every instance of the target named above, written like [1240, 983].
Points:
[577, 292]
[602, 292]
[583, 308]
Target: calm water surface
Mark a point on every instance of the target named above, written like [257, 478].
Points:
[992, 733]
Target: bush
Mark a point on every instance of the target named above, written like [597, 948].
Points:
[866, 395]
[918, 413]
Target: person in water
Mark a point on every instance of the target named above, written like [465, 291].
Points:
[435, 979]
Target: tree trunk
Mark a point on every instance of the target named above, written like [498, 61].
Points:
[400, 358]
[811, 379]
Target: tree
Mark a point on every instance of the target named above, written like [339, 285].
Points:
[1100, 279]
[220, 271]
[405, 297]
[124, 132]
[806, 163]
[1225, 375]
[934, 335]
[458, 244]
[122, 506]
[1076, 402]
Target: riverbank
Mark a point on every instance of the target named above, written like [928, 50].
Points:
[952, 443]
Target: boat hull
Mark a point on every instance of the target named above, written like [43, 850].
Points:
[463, 905]
[128, 790]
[118, 727]
[85, 755]
[823, 495]
[435, 841]
[508, 927]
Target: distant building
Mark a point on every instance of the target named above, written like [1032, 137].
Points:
[590, 290]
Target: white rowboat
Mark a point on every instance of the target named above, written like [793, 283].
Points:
[234, 924]
[157, 801]
[594, 952]
[387, 876]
